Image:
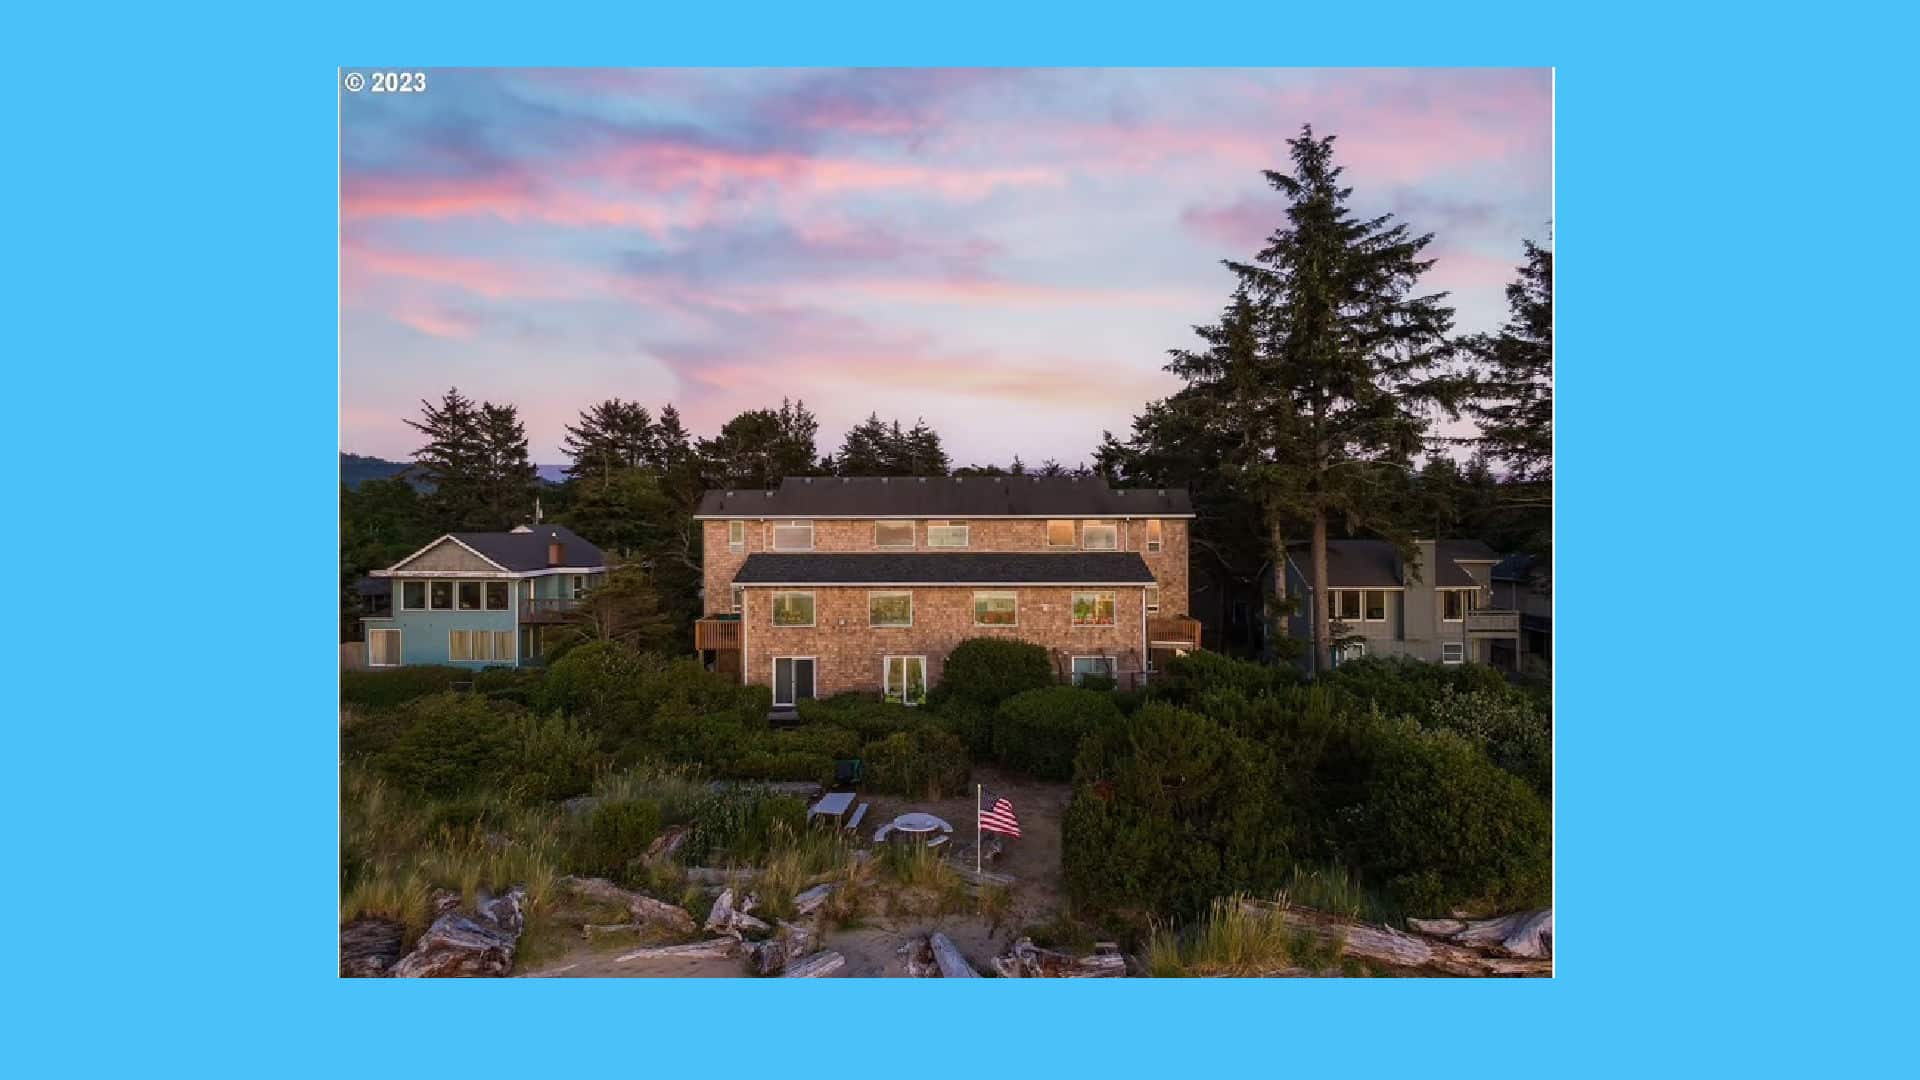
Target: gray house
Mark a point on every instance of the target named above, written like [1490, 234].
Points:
[1440, 607]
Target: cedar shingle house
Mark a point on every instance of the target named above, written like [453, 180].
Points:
[829, 584]
[1438, 608]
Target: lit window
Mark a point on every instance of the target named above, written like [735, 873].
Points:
[503, 644]
[1376, 606]
[499, 593]
[1097, 537]
[1060, 534]
[893, 534]
[793, 609]
[383, 646]
[1153, 599]
[793, 536]
[442, 595]
[1100, 667]
[736, 535]
[890, 609]
[413, 596]
[460, 645]
[1093, 609]
[1153, 534]
[945, 534]
[996, 609]
[1453, 652]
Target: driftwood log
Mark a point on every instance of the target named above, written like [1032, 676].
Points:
[1395, 949]
[718, 948]
[459, 945]
[1525, 934]
[808, 901]
[948, 959]
[368, 947]
[1029, 961]
[646, 911]
[919, 957]
[815, 966]
[729, 916]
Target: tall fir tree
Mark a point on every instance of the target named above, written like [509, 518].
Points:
[475, 459]
[609, 436]
[759, 447]
[1513, 394]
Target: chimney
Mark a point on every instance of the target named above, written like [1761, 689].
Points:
[556, 552]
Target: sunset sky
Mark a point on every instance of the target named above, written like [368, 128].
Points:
[1006, 253]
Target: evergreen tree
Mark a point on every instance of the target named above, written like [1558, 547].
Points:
[475, 459]
[1513, 394]
[759, 447]
[865, 451]
[611, 435]
[508, 477]
[924, 454]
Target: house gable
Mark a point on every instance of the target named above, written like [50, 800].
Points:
[447, 556]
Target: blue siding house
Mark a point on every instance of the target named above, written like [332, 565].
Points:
[481, 599]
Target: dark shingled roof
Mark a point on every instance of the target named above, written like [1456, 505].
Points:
[956, 497]
[374, 586]
[955, 568]
[1375, 564]
[528, 550]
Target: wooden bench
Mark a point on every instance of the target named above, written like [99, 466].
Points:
[859, 813]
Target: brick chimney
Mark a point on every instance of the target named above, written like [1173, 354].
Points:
[556, 552]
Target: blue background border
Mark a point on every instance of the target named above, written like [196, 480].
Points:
[1725, 187]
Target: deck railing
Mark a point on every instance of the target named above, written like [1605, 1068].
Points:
[1173, 630]
[1493, 622]
[716, 633]
[547, 608]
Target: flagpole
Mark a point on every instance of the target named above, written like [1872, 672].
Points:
[976, 830]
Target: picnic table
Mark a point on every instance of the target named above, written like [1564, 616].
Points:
[919, 824]
[833, 805]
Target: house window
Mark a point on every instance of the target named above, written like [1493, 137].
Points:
[1153, 534]
[503, 645]
[499, 593]
[1153, 599]
[996, 609]
[1344, 604]
[460, 645]
[441, 594]
[383, 647]
[1100, 667]
[893, 534]
[1060, 534]
[1376, 606]
[1097, 537]
[793, 609]
[413, 596]
[1353, 650]
[736, 536]
[1452, 605]
[470, 593]
[793, 536]
[890, 609]
[904, 679]
[1453, 652]
[1093, 609]
[945, 534]
[739, 599]
[579, 585]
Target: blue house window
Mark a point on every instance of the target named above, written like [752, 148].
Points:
[413, 596]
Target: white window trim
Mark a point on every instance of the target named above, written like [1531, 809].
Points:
[486, 590]
[453, 595]
[966, 533]
[452, 657]
[399, 651]
[1444, 617]
[774, 527]
[426, 594]
[1156, 538]
[737, 599]
[773, 679]
[886, 661]
[908, 593]
[1150, 596]
[1073, 531]
[913, 535]
[1014, 596]
[739, 526]
[1364, 617]
[1088, 526]
[1073, 601]
[773, 608]
[1113, 668]
[1460, 645]
[1333, 605]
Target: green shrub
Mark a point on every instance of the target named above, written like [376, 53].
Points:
[987, 671]
[552, 757]
[597, 673]
[742, 823]
[1445, 828]
[1039, 731]
[364, 734]
[521, 686]
[1510, 729]
[970, 722]
[864, 714]
[780, 765]
[453, 744]
[1402, 686]
[616, 834]
[1199, 671]
[1169, 811]
[926, 763]
[375, 690]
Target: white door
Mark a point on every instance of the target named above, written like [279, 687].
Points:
[792, 680]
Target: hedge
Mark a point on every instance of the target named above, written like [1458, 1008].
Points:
[1200, 671]
[617, 833]
[379, 690]
[1039, 731]
[927, 763]
[987, 671]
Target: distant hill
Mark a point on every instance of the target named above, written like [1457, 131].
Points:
[355, 469]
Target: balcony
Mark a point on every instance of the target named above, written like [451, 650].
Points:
[1493, 623]
[717, 632]
[547, 609]
[1173, 631]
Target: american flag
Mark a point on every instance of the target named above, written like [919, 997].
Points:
[996, 815]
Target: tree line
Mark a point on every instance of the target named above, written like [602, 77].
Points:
[1304, 409]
